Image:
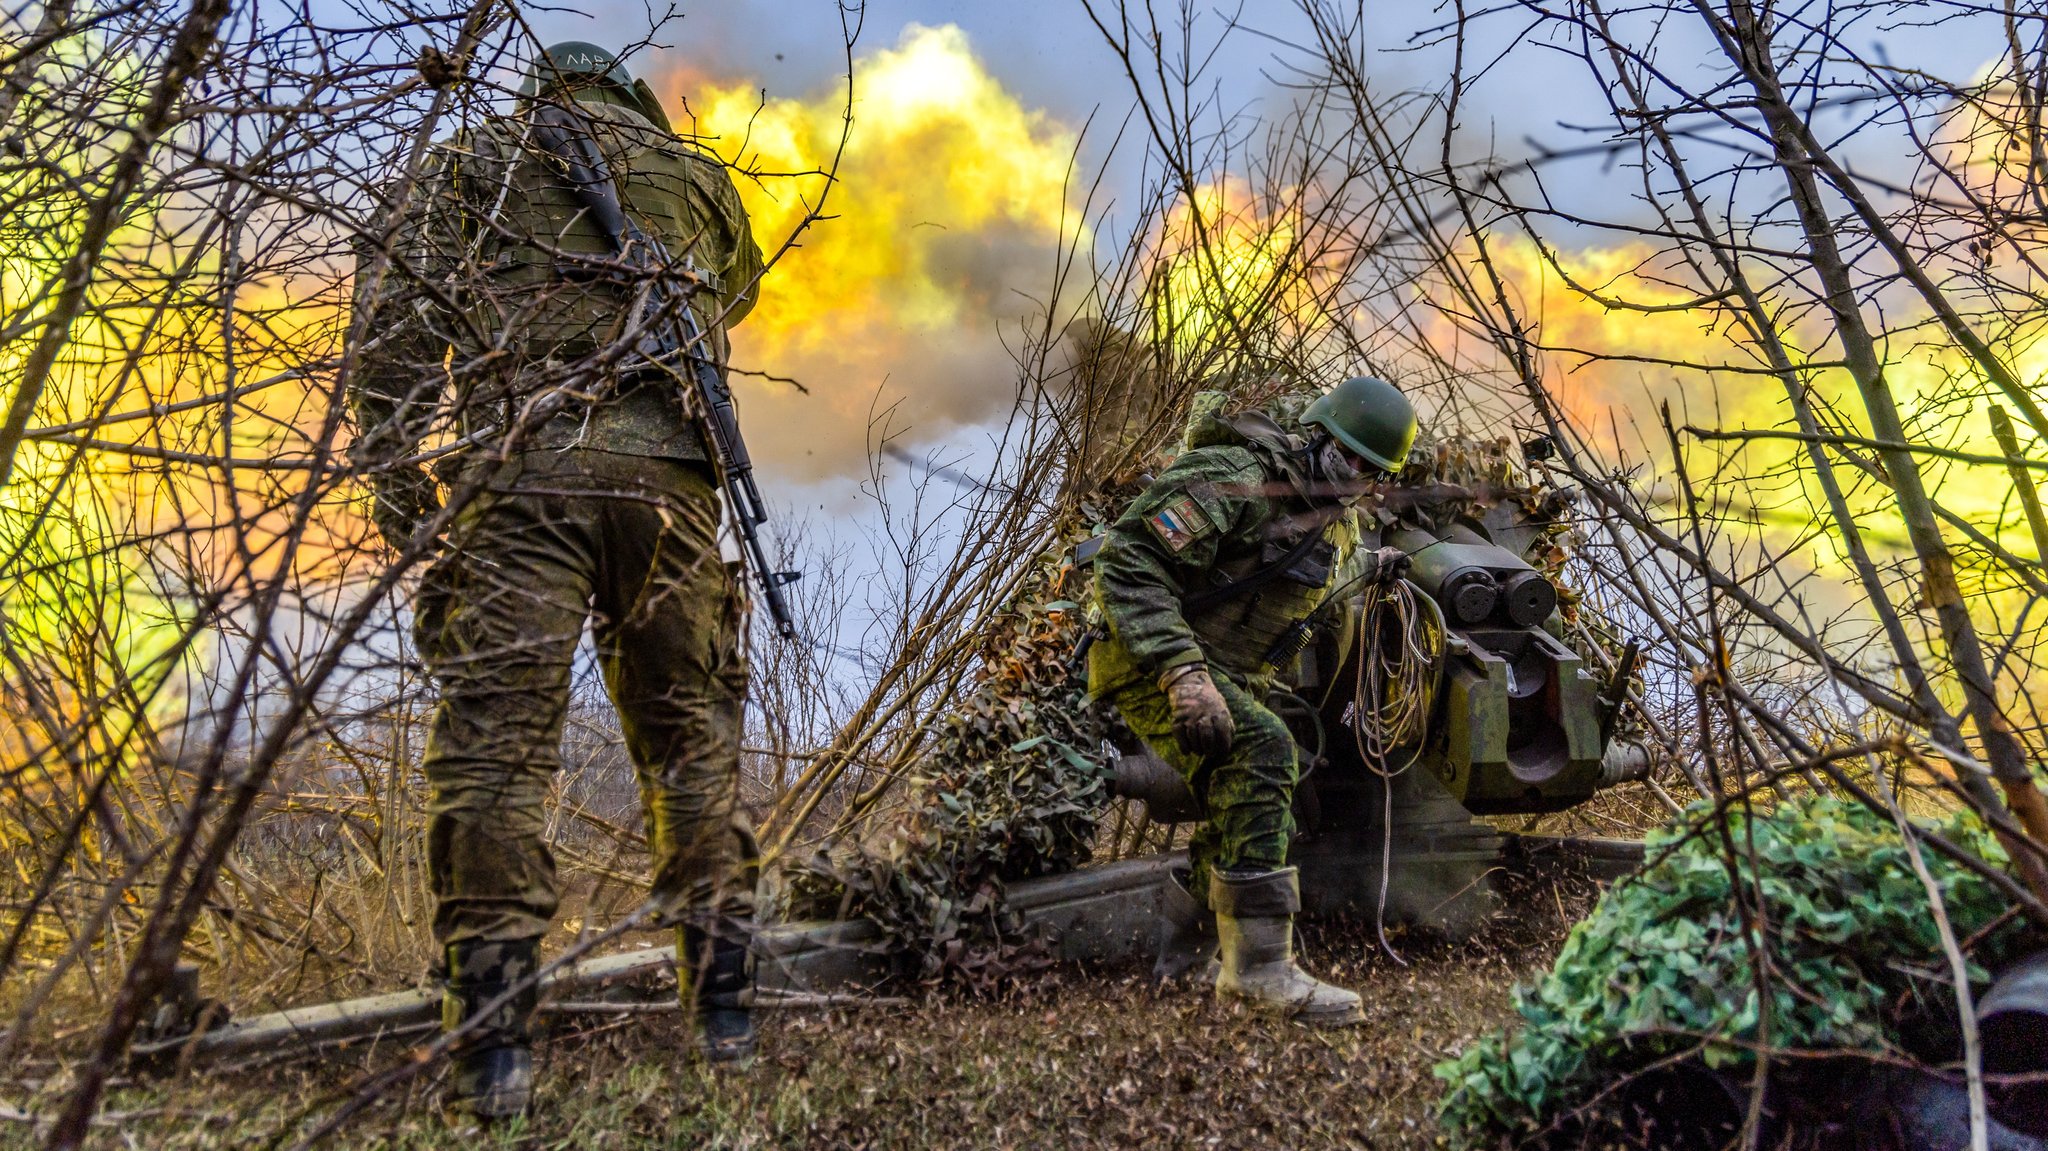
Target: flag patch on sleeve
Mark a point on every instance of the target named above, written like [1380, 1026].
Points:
[1180, 523]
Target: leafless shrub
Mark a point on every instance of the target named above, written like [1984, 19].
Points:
[1817, 265]
[211, 721]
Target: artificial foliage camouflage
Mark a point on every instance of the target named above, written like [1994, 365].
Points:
[1012, 788]
[1664, 968]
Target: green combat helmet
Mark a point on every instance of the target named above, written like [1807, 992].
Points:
[574, 64]
[1368, 416]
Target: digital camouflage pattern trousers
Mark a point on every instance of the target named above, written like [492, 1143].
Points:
[558, 538]
[1247, 791]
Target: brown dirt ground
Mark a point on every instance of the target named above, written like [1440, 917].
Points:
[1067, 1059]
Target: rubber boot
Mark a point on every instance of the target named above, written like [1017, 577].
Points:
[716, 980]
[491, 1079]
[1255, 932]
[1187, 933]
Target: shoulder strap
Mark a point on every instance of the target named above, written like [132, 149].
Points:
[1203, 601]
[565, 135]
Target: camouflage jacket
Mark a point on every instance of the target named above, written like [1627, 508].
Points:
[1228, 507]
[496, 285]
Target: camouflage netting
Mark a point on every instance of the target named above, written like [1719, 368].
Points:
[1658, 988]
[1012, 789]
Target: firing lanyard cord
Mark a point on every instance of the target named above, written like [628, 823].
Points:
[1372, 730]
[1303, 707]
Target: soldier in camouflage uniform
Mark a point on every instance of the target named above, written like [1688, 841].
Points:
[1201, 581]
[606, 512]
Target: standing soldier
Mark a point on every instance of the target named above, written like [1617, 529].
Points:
[1202, 582]
[597, 501]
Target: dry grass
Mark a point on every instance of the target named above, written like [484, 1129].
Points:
[1074, 1060]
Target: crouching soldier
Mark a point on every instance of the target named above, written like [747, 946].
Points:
[1200, 583]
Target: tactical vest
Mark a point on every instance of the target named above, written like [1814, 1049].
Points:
[1240, 624]
[1297, 556]
[532, 228]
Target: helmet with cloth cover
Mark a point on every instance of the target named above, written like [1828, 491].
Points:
[575, 62]
[1368, 416]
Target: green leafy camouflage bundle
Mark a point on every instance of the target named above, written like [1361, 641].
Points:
[1012, 789]
[1665, 966]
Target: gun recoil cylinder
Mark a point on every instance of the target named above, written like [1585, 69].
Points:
[1141, 775]
[1470, 594]
[1475, 580]
[2011, 1020]
[1528, 598]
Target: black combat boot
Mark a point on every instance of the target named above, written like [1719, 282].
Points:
[715, 974]
[492, 1075]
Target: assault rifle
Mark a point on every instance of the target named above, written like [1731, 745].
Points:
[566, 136]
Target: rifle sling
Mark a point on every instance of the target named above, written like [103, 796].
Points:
[1200, 602]
[559, 131]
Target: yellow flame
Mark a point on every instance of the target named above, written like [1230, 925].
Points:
[1222, 260]
[111, 546]
[951, 199]
[1609, 368]
[1769, 480]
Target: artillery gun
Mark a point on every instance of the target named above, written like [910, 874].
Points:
[1418, 709]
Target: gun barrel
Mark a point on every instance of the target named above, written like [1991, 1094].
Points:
[756, 510]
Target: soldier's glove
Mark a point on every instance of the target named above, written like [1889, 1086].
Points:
[1201, 720]
[401, 499]
[1390, 564]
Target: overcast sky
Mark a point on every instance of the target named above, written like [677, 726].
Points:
[1048, 52]
[1051, 55]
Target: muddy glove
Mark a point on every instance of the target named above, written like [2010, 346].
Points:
[1390, 564]
[401, 499]
[1201, 720]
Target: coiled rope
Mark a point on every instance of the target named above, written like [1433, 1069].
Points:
[1393, 693]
